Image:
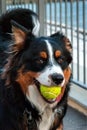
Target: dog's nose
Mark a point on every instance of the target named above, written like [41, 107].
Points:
[57, 78]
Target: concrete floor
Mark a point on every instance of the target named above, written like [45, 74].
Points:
[75, 120]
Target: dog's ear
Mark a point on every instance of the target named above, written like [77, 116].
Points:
[59, 36]
[67, 44]
[19, 34]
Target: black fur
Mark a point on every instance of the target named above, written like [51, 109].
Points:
[22, 17]
[12, 107]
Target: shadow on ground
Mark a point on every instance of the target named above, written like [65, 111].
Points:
[75, 120]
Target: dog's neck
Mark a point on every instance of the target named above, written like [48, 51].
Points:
[45, 109]
[38, 120]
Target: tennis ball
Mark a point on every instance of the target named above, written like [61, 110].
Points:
[50, 92]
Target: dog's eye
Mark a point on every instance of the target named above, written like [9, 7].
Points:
[40, 61]
[60, 60]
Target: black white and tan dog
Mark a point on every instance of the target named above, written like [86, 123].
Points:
[34, 61]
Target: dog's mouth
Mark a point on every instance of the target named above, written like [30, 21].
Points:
[49, 96]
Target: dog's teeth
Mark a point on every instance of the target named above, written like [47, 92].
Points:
[52, 100]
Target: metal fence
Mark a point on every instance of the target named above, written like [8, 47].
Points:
[67, 16]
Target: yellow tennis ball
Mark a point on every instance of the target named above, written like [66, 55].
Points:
[50, 92]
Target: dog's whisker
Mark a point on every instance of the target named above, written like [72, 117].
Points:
[10, 52]
[9, 34]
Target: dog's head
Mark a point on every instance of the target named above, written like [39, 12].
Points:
[36, 61]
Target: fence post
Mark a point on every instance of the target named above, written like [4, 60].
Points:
[41, 9]
[2, 6]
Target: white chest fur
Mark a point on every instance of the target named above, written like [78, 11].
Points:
[45, 108]
[47, 119]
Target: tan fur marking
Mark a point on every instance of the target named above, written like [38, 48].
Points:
[43, 54]
[19, 37]
[56, 122]
[68, 44]
[57, 53]
[67, 74]
[60, 127]
[25, 79]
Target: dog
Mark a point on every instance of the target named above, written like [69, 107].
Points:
[34, 61]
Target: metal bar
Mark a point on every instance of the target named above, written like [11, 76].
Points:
[66, 17]
[37, 6]
[61, 15]
[71, 7]
[2, 6]
[46, 17]
[77, 5]
[50, 16]
[41, 16]
[84, 43]
[55, 15]
[79, 83]
[58, 25]
[28, 3]
[10, 4]
[32, 5]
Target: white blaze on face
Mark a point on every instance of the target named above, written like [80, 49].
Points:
[44, 77]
